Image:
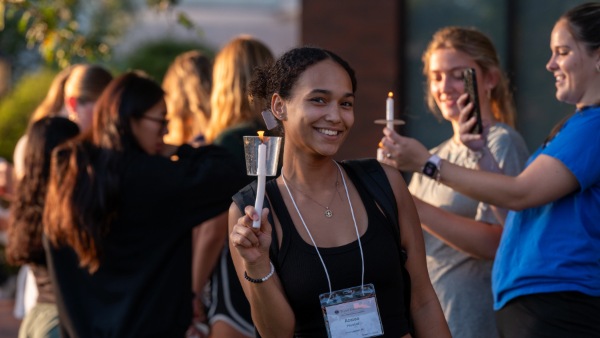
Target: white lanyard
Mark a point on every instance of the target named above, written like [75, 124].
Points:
[313, 241]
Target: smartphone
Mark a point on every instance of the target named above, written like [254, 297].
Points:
[470, 81]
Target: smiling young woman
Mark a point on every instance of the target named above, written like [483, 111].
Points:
[462, 234]
[301, 258]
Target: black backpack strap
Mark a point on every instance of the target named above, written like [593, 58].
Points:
[371, 173]
[247, 196]
[374, 178]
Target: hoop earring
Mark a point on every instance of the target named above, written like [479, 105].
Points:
[489, 94]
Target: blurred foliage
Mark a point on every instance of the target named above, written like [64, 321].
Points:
[18, 105]
[154, 57]
[71, 31]
[59, 33]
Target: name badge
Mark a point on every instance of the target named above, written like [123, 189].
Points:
[352, 312]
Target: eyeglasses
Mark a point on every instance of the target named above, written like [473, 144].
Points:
[163, 122]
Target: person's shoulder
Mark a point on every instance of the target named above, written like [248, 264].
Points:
[589, 118]
[245, 196]
[500, 129]
[504, 134]
[248, 128]
[189, 151]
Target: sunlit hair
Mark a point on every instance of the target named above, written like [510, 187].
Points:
[83, 190]
[187, 84]
[233, 70]
[25, 225]
[481, 49]
[54, 101]
[83, 81]
[86, 82]
[281, 76]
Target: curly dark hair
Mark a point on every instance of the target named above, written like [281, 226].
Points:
[25, 225]
[281, 76]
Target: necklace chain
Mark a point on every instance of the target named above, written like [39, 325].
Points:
[328, 212]
[362, 257]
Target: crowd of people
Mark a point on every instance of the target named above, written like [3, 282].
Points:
[132, 213]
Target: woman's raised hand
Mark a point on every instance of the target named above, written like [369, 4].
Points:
[475, 142]
[252, 244]
[403, 153]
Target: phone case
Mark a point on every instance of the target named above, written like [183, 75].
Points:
[470, 80]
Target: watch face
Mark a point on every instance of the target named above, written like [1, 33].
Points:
[429, 169]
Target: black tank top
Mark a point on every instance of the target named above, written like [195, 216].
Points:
[304, 279]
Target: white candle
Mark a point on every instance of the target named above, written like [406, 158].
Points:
[389, 111]
[260, 190]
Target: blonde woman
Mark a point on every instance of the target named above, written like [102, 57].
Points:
[462, 234]
[187, 84]
[233, 115]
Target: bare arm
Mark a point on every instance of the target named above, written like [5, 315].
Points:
[487, 162]
[208, 241]
[529, 189]
[271, 313]
[425, 308]
[472, 237]
[545, 180]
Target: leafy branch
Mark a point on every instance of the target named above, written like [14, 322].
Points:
[69, 31]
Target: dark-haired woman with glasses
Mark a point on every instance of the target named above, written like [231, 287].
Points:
[121, 206]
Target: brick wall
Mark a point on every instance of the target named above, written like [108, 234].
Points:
[367, 34]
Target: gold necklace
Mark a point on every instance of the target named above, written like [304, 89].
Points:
[328, 212]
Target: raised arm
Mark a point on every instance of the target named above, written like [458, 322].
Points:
[425, 307]
[545, 180]
[271, 312]
[528, 189]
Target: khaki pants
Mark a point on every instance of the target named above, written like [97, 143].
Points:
[40, 322]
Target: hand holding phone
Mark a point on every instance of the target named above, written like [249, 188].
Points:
[470, 81]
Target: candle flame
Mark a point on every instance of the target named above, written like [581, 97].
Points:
[390, 94]
[260, 135]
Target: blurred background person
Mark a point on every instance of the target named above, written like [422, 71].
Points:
[25, 226]
[233, 116]
[462, 234]
[82, 88]
[187, 83]
[72, 94]
[120, 209]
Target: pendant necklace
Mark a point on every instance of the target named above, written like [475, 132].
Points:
[328, 212]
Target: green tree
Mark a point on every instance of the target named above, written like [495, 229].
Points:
[70, 31]
[17, 106]
[154, 57]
